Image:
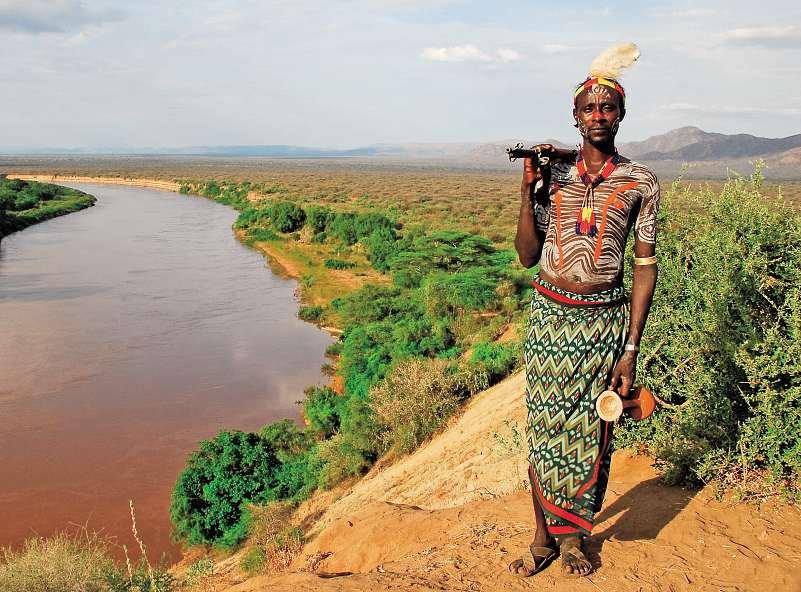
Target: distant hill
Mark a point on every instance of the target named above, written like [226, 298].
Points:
[667, 142]
[692, 144]
[705, 154]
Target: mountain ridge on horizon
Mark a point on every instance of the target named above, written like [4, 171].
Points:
[704, 154]
[687, 142]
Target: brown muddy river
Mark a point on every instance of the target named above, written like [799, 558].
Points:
[128, 332]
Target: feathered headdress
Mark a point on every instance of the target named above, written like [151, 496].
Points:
[609, 66]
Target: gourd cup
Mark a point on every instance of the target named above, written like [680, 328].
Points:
[638, 406]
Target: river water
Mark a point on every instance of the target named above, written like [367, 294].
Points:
[128, 332]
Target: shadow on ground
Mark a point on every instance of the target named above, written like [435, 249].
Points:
[642, 513]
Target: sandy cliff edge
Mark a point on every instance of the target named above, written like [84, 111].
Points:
[452, 515]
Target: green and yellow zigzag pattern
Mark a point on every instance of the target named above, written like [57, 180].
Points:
[569, 355]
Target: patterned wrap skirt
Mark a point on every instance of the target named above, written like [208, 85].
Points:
[573, 343]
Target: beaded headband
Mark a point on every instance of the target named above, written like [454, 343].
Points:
[592, 81]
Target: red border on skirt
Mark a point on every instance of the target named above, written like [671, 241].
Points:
[561, 512]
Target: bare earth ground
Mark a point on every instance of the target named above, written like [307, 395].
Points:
[453, 515]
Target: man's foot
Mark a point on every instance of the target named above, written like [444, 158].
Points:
[542, 554]
[574, 562]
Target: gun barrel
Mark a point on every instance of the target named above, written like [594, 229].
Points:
[537, 152]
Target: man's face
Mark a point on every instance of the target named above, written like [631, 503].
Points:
[598, 114]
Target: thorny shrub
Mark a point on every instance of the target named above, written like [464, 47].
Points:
[414, 400]
[722, 344]
[274, 535]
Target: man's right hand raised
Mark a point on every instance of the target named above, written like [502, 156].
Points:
[531, 174]
[532, 171]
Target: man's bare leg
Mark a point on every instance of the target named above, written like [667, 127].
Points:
[525, 567]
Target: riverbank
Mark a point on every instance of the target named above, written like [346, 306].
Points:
[301, 261]
[128, 181]
[24, 203]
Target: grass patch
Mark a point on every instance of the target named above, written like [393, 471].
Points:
[24, 203]
[77, 561]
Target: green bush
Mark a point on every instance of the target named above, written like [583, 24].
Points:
[721, 344]
[447, 251]
[322, 408]
[287, 216]
[352, 450]
[333, 349]
[318, 218]
[25, 202]
[212, 189]
[294, 478]
[252, 216]
[371, 302]
[338, 264]
[497, 359]
[44, 191]
[453, 293]
[255, 235]
[382, 325]
[233, 469]
[343, 228]
[310, 313]
[382, 245]
[368, 223]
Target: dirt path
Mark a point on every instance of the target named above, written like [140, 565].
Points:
[454, 514]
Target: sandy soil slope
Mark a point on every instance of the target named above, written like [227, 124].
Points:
[454, 514]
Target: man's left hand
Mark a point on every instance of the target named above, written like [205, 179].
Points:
[623, 374]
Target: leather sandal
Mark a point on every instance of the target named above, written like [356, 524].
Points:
[542, 556]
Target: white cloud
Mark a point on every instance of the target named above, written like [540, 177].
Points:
[469, 53]
[79, 38]
[186, 41]
[687, 13]
[555, 48]
[52, 16]
[728, 110]
[507, 55]
[780, 36]
[225, 22]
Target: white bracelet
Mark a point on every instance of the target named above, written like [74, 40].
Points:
[632, 347]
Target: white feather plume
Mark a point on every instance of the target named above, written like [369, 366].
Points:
[611, 62]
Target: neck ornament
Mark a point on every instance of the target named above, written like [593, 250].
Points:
[585, 221]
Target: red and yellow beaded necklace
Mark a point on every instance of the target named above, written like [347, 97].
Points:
[585, 221]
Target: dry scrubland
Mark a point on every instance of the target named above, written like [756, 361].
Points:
[480, 201]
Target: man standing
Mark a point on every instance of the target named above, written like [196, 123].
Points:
[575, 219]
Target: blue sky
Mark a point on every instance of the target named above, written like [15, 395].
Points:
[341, 73]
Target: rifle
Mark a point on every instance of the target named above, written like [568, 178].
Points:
[545, 154]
